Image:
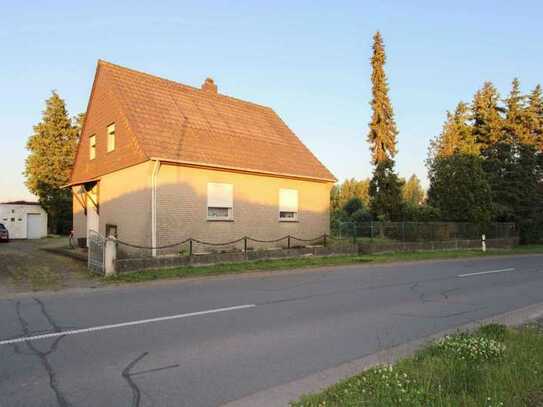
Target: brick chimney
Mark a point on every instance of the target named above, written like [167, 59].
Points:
[209, 86]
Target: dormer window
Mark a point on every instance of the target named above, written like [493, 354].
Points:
[92, 147]
[111, 137]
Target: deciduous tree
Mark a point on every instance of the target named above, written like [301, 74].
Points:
[51, 153]
[348, 189]
[412, 191]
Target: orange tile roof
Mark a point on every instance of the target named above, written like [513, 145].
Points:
[180, 123]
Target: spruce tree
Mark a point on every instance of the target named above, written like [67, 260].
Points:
[459, 188]
[514, 171]
[383, 131]
[516, 126]
[534, 112]
[385, 186]
[386, 192]
[486, 116]
[48, 165]
[457, 135]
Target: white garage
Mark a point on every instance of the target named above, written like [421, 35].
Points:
[24, 220]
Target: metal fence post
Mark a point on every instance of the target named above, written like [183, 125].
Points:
[324, 240]
[190, 247]
[288, 241]
[245, 244]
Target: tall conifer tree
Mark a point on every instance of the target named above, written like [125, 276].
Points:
[383, 131]
[385, 187]
[535, 116]
[516, 128]
[457, 135]
[487, 119]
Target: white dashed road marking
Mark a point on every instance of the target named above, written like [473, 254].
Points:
[124, 324]
[485, 272]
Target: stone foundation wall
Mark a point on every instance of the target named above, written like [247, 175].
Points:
[170, 261]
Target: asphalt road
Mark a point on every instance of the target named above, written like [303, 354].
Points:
[207, 342]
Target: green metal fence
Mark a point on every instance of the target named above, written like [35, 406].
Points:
[423, 231]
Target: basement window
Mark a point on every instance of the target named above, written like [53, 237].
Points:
[111, 137]
[288, 205]
[220, 201]
[92, 147]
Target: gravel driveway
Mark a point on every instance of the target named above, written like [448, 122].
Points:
[24, 266]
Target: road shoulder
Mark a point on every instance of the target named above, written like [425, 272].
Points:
[283, 394]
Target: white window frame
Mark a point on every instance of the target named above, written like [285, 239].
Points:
[111, 137]
[92, 146]
[288, 203]
[220, 195]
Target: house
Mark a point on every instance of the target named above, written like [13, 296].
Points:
[24, 220]
[159, 162]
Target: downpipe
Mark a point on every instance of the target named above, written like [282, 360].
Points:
[154, 177]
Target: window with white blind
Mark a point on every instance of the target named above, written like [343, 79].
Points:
[111, 137]
[288, 205]
[220, 201]
[92, 147]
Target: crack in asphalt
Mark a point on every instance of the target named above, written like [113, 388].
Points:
[127, 375]
[47, 316]
[136, 393]
[157, 369]
[345, 291]
[43, 355]
[413, 285]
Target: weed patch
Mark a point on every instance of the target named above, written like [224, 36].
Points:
[492, 367]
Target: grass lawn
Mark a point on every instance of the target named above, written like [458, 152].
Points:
[305, 262]
[494, 366]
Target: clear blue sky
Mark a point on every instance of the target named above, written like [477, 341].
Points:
[309, 60]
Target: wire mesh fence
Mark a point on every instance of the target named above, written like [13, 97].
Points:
[423, 231]
[342, 233]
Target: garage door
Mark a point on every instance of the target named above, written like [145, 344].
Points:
[33, 226]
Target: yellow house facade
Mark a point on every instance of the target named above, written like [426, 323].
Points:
[159, 162]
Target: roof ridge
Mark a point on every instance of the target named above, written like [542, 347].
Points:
[220, 95]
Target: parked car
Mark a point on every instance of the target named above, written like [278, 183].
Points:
[4, 233]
